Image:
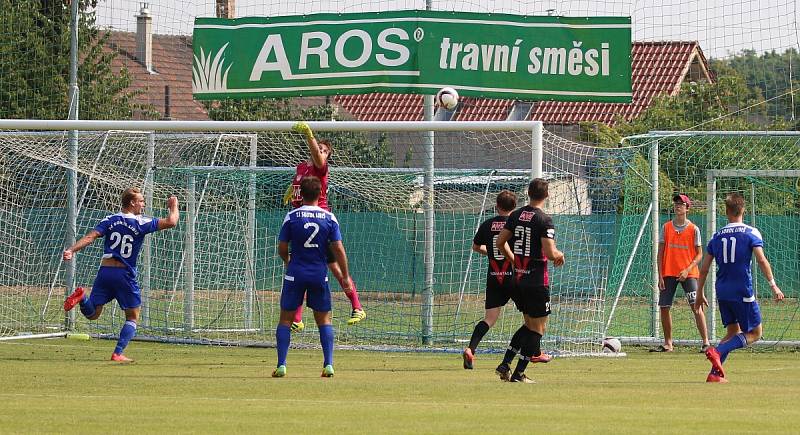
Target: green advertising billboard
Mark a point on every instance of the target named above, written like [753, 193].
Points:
[486, 55]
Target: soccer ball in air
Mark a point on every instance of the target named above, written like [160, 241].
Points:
[611, 345]
[447, 98]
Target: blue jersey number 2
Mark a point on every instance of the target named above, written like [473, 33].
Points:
[308, 243]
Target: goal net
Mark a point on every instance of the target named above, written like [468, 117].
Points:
[216, 278]
[765, 168]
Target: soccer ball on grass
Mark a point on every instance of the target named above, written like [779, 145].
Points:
[611, 345]
[447, 98]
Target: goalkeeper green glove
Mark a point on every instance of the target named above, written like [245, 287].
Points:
[288, 195]
[304, 129]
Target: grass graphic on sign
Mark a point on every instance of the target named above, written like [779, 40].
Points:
[207, 74]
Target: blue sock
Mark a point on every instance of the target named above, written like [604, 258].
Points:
[125, 335]
[737, 342]
[283, 336]
[87, 307]
[326, 340]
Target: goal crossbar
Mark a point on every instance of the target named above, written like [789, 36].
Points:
[381, 126]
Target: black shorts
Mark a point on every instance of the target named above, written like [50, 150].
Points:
[532, 300]
[498, 294]
[667, 296]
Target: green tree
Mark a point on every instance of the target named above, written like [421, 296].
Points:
[727, 104]
[35, 64]
[266, 109]
[772, 73]
[618, 174]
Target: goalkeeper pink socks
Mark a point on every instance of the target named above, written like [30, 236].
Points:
[352, 294]
[298, 314]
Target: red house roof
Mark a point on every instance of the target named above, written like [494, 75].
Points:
[382, 106]
[172, 64]
[657, 68]
[408, 107]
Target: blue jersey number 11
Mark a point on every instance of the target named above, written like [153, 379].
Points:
[725, 250]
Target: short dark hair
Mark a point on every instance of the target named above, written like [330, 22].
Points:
[310, 188]
[537, 189]
[128, 196]
[734, 204]
[506, 201]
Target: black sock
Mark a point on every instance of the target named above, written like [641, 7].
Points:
[536, 338]
[515, 345]
[481, 328]
[525, 353]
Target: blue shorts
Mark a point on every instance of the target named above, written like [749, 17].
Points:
[294, 289]
[746, 314]
[116, 283]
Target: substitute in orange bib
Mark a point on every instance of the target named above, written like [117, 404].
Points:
[679, 253]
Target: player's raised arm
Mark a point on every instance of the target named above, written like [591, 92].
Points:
[766, 270]
[171, 221]
[80, 244]
[317, 157]
[337, 248]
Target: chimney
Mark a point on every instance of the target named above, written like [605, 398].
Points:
[226, 8]
[144, 38]
[167, 104]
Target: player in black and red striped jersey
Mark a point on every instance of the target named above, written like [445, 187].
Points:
[498, 274]
[528, 239]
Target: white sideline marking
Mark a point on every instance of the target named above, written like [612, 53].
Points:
[39, 344]
[270, 400]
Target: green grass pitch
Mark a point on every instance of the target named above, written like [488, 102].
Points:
[67, 386]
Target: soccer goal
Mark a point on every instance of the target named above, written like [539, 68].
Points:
[409, 197]
[765, 168]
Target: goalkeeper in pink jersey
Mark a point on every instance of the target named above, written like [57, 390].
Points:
[317, 166]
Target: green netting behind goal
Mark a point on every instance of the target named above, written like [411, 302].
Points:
[763, 167]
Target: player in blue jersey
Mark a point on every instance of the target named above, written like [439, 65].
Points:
[116, 279]
[733, 247]
[308, 232]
